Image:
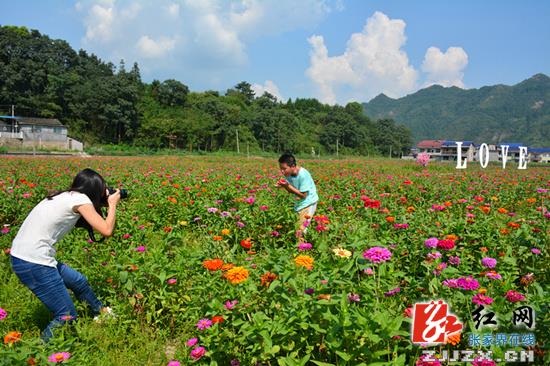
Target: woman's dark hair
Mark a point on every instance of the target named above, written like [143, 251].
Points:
[288, 159]
[90, 183]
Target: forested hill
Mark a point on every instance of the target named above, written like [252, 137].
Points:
[104, 103]
[500, 113]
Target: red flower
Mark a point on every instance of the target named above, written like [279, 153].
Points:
[446, 244]
[246, 243]
[217, 319]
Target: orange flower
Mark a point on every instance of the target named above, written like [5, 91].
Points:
[304, 261]
[267, 278]
[217, 238]
[226, 231]
[453, 339]
[12, 337]
[410, 209]
[212, 264]
[132, 268]
[323, 297]
[236, 275]
[172, 199]
[502, 210]
[451, 237]
[482, 290]
[531, 200]
[504, 231]
[485, 209]
[484, 249]
[246, 243]
[390, 219]
[227, 266]
[513, 225]
[448, 203]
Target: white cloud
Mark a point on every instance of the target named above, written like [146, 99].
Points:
[270, 87]
[154, 49]
[372, 63]
[206, 40]
[446, 69]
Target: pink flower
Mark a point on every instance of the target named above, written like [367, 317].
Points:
[368, 271]
[191, 342]
[514, 296]
[171, 281]
[468, 283]
[173, 363]
[140, 249]
[59, 357]
[275, 234]
[535, 251]
[197, 353]
[488, 262]
[481, 299]
[304, 246]
[454, 260]
[493, 275]
[483, 362]
[229, 305]
[400, 226]
[204, 324]
[377, 254]
[3, 314]
[250, 200]
[431, 242]
[26, 195]
[5, 230]
[126, 236]
[263, 208]
[423, 159]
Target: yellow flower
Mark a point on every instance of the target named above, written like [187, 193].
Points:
[340, 252]
[226, 231]
[304, 261]
[183, 223]
[236, 275]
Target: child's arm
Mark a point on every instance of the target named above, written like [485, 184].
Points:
[291, 189]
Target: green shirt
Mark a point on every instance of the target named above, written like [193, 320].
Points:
[304, 183]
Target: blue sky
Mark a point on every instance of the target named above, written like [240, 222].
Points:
[337, 51]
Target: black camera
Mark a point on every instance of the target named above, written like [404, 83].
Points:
[123, 192]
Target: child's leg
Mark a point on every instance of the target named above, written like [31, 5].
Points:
[304, 218]
[78, 283]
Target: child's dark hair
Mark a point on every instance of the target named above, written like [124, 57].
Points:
[288, 159]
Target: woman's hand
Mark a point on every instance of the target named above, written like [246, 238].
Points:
[114, 198]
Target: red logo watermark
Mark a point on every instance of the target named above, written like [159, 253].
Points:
[433, 324]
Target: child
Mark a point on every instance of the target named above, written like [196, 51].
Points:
[299, 182]
[33, 249]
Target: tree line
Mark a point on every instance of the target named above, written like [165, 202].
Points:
[102, 103]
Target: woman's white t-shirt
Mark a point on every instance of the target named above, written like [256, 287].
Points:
[46, 224]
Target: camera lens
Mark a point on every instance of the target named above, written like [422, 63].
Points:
[123, 193]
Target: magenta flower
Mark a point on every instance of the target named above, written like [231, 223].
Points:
[454, 260]
[377, 254]
[483, 362]
[304, 246]
[3, 314]
[488, 262]
[481, 299]
[191, 342]
[468, 283]
[212, 209]
[240, 224]
[392, 292]
[434, 255]
[204, 324]
[275, 234]
[5, 230]
[431, 242]
[353, 298]
[250, 200]
[493, 275]
[171, 281]
[140, 249]
[535, 251]
[264, 208]
[451, 283]
[126, 236]
[174, 363]
[59, 357]
[197, 353]
[229, 305]
[514, 296]
[446, 244]
[309, 291]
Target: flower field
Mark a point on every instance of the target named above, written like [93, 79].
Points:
[204, 266]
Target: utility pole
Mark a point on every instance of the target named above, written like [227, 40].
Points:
[336, 147]
[14, 121]
[390, 151]
[238, 151]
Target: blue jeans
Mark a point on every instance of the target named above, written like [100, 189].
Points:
[50, 285]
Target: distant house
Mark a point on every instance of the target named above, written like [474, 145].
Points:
[494, 153]
[513, 151]
[446, 150]
[36, 132]
[539, 154]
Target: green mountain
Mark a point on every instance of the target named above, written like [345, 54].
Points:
[491, 114]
